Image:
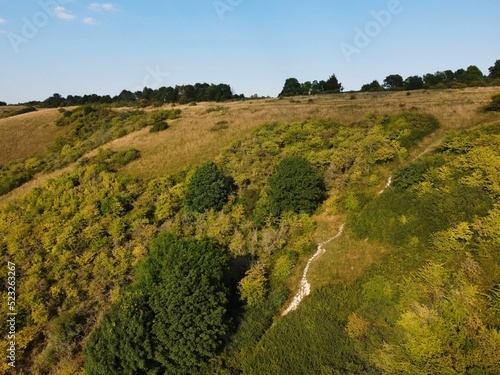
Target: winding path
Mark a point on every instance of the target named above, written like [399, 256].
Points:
[305, 287]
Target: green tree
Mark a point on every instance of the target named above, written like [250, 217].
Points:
[173, 318]
[306, 88]
[317, 87]
[292, 87]
[188, 298]
[123, 342]
[333, 85]
[495, 71]
[414, 83]
[295, 186]
[374, 86]
[435, 79]
[394, 81]
[208, 188]
[253, 287]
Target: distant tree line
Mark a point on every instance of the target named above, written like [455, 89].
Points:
[470, 77]
[199, 92]
[293, 87]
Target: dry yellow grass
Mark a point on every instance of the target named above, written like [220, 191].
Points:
[190, 141]
[9, 108]
[28, 135]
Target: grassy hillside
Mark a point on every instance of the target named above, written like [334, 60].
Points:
[28, 135]
[205, 129]
[414, 282]
[421, 252]
[197, 137]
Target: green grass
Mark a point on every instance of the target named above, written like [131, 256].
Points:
[344, 261]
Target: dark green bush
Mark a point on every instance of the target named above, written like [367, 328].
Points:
[172, 320]
[123, 343]
[159, 126]
[209, 188]
[17, 112]
[295, 186]
[10, 180]
[24, 110]
[494, 106]
[165, 114]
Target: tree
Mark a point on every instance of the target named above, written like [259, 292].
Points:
[53, 102]
[172, 320]
[472, 76]
[3, 103]
[188, 298]
[374, 86]
[253, 287]
[126, 96]
[414, 83]
[123, 343]
[208, 188]
[306, 88]
[292, 87]
[435, 79]
[317, 87]
[495, 71]
[394, 81]
[295, 186]
[333, 85]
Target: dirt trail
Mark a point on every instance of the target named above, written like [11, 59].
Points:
[305, 287]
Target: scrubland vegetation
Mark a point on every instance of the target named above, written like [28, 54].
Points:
[186, 270]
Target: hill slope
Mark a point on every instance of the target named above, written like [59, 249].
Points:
[79, 240]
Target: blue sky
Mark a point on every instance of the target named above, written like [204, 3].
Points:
[77, 47]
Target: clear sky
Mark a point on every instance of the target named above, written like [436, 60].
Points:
[77, 47]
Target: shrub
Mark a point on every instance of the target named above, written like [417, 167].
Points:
[494, 106]
[18, 111]
[218, 108]
[410, 128]
[159, 126]
[295, 186]
[165, 114]
[221, 125]
[208, 188]
[123, 343]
